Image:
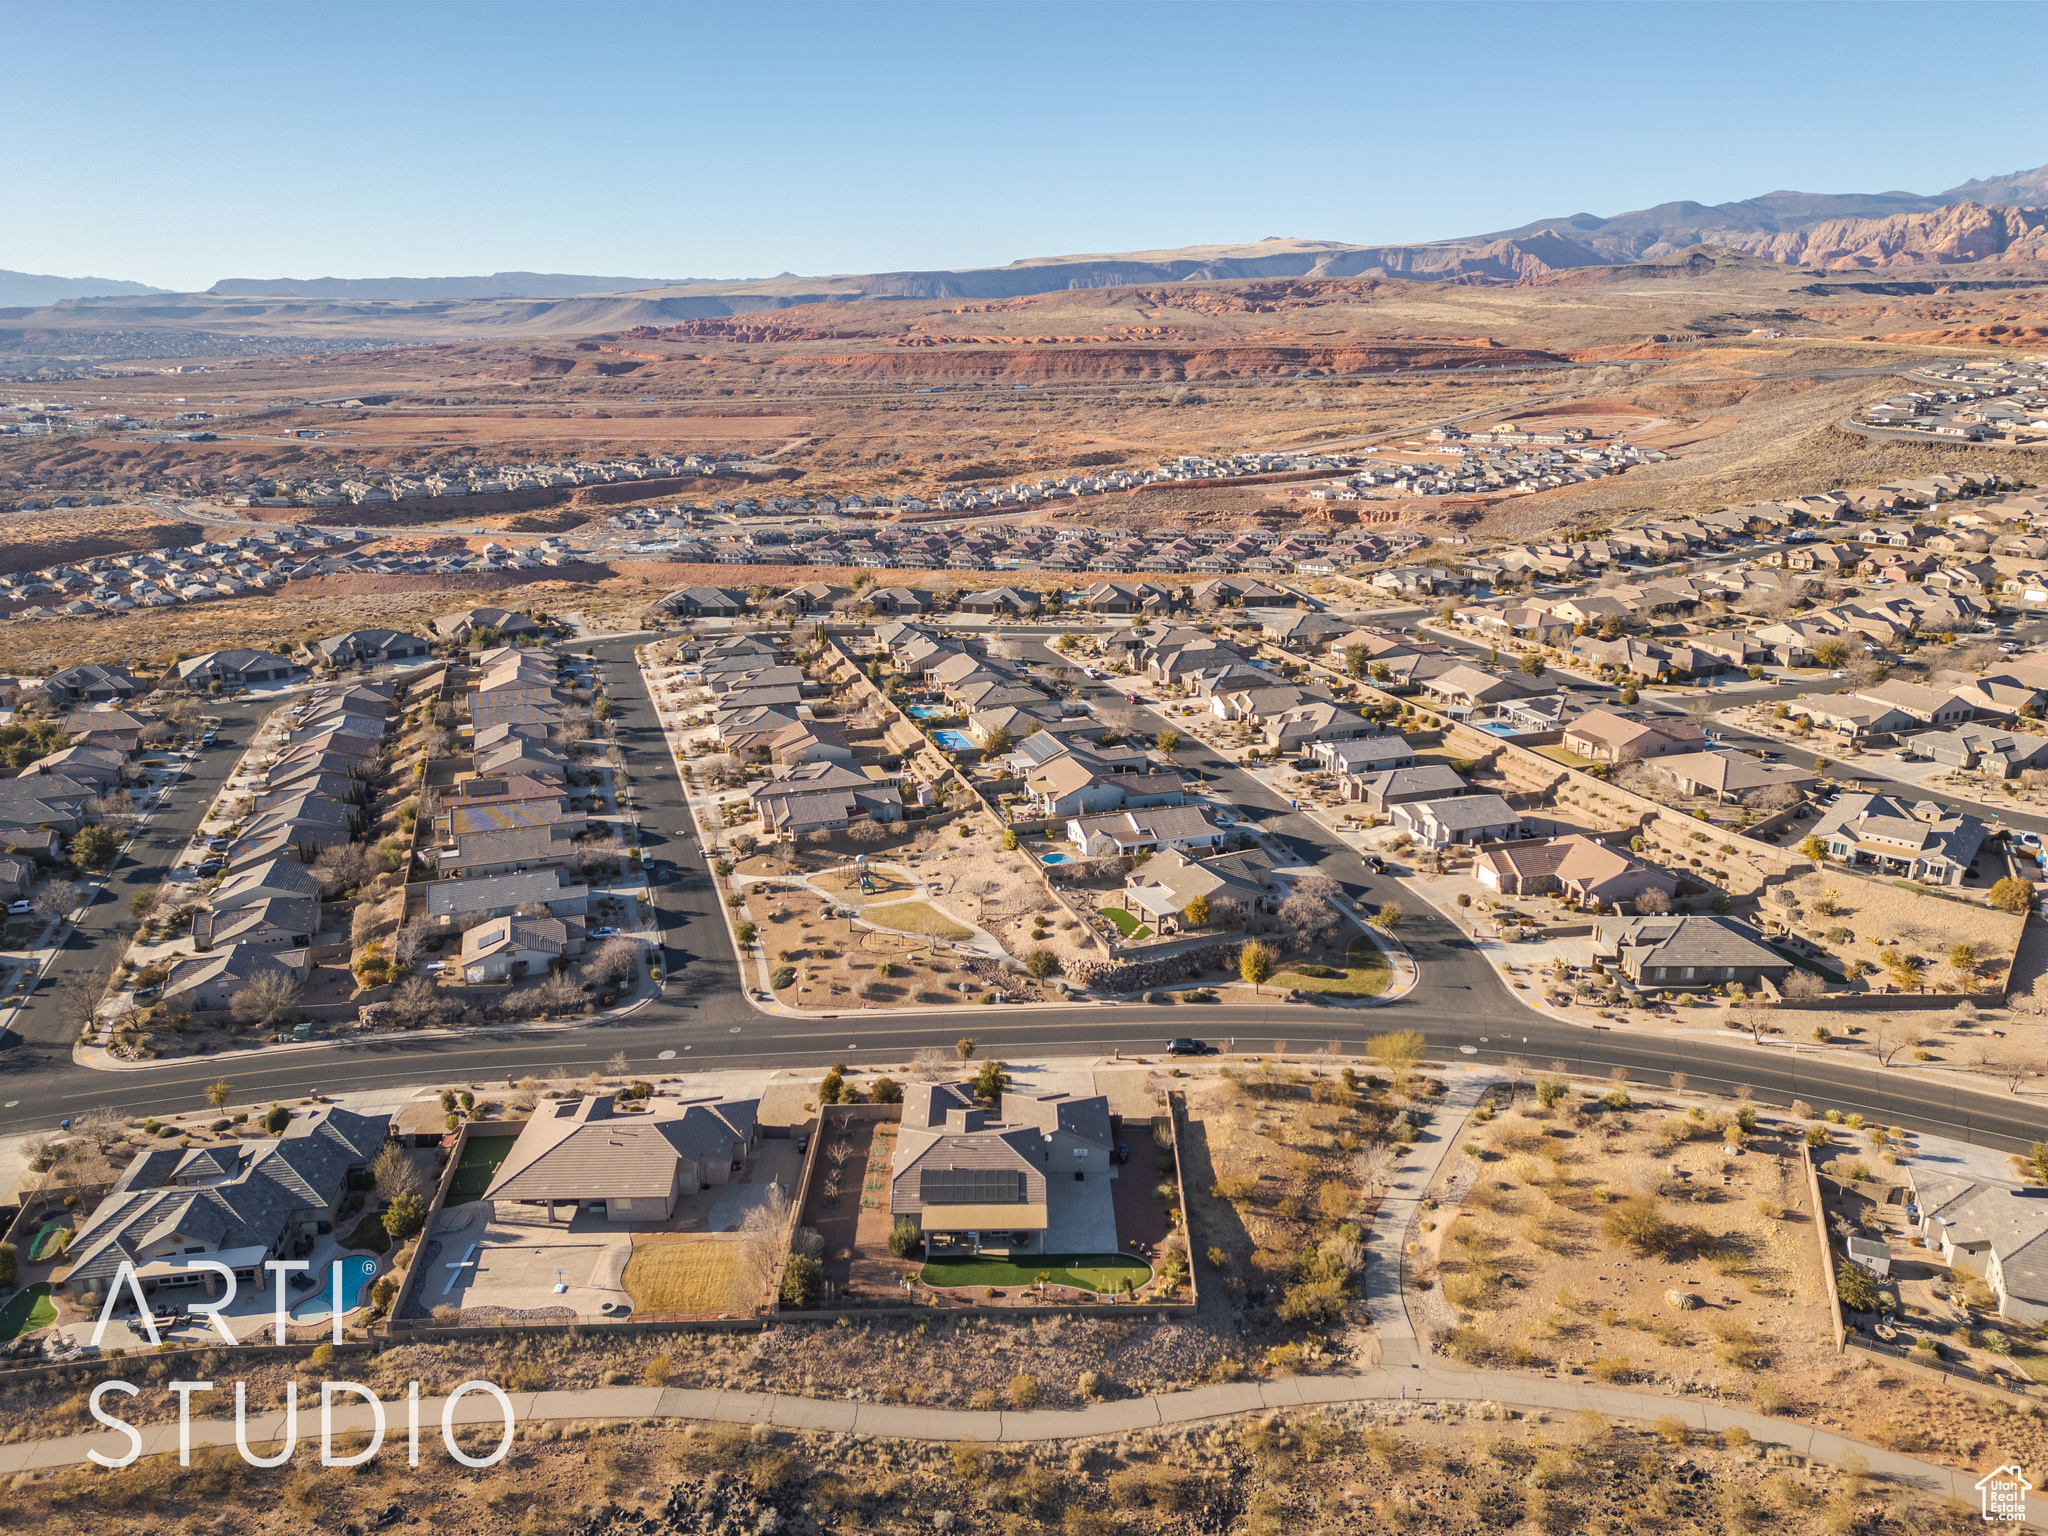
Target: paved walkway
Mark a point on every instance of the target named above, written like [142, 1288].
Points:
[1401, 1347]
[896, 1422]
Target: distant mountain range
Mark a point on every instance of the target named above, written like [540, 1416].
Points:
[499, 285]
[2002, 218]
[34, 289]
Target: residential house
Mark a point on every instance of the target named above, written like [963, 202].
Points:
[1467, 818]
[828, 797]
[1859, 719]
[1365, 754]
[234, 669]
[1067, 786]
[368, 648]
[101, 767]
[1468, 686]
[90, 684]
[1997, 1232]
[208, 983]
[453, 901]
[1382, 789]
[1919, 841]
[240, 1204]
[1306, 726]
[1586, 871]
[578, 1156]
[276, 922]
[1606, 737]
[1929, 706]
[1234, 884]
[1000, 602]
[1679, 954]
[1730, 776]
[1183, 827]
[1030, 1175]
[500, 621]
[505, 948]
[1999, 753]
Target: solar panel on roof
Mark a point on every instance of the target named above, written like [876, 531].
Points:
[970, 1186]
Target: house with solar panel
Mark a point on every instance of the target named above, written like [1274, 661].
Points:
[1028, 1175]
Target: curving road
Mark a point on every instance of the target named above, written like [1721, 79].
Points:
[1459, 1005]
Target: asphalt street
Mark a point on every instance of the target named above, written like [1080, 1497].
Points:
[703, 1021]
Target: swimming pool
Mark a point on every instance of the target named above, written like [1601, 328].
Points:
[1053, 858]
[928, 711]
[1497, 727]
[955, 741]
[357, 1271]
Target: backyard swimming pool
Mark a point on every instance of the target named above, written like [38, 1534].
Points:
[1496, 727]
[357, 1272]
[955, 741]
[928, 711]
[1052, 858]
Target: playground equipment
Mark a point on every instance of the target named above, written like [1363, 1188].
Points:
[860, 869]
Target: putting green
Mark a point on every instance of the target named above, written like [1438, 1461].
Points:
[30, 1310]
[1100, 1272]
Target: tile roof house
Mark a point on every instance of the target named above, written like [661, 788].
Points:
[1308, 725]
[208, 983]
[1069, 786]
[1164, 885]
[1728, 775]
[1930, 706]
[239, 1204]
[1919, 842]
[1683, 953]
[1585, 870]
[824, 797]
[234, 669]
[367, 647]
[1606, 737]
[1853, 716]
[502, 895]
[584, 1155]
[1030, 1176]
[1126, 832]
[460, 626]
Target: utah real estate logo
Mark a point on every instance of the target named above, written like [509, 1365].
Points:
[2004, 1490]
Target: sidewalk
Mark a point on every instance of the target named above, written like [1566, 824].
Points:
[895, 1422]
[1401, 1345]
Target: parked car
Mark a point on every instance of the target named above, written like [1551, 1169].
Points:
[17, 908]
[1183, 1046]
[216, 844]
[213, 866]
[2025, 838]
[606, 932]
[1123, 1151]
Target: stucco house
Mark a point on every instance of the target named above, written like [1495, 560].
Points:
[589, 1155]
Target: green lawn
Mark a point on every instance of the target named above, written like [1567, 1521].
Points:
[1563, 754]
[30, 1310]
[480, 1158]
[1129, 924]
[1101, 1272]
[1365, 973]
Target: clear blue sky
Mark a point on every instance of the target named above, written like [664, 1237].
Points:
[177, 144]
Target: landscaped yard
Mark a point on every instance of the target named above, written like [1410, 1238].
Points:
[369, 1233]
[30, 1310]
[49, 1241]
[1563, 754]
[1129, 924]
[480, 1158]
[1101, 1272]
[690, 1274]
[1364, 973]
[916, 917]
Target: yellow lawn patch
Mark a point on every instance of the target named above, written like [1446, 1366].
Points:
[916, 917]
[688, 1274]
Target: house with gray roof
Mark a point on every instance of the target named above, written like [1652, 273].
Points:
[1382, 790]
[368, 647]
[1997, 752]
[234, 669]
[1996, 1231]
[1462, 818]
[1689, 953]
[1365, 754]
[1184, 827]
[239, 1204]
[1920, 841]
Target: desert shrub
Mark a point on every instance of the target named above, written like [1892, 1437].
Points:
[803, 1281]
[905, 1238]
[1857, 1288]
[1637, 1224]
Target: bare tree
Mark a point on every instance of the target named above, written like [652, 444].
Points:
[55, 899]
[409, 941]
[344, 866]
[1649, 903]
[1374, 1164]
[1774, 797]
[267, 999]
[761, 1243]
[1889, 1036]
[396, 1174]
[417, 1002]
[615, 961]
[101, 1125]
[1756, 1018]
[1803, 987]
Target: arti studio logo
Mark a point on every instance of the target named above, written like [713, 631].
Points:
[2005, 1491]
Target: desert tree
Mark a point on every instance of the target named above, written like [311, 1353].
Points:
[267, 998]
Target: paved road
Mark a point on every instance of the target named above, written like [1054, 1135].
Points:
[1460, 1006]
